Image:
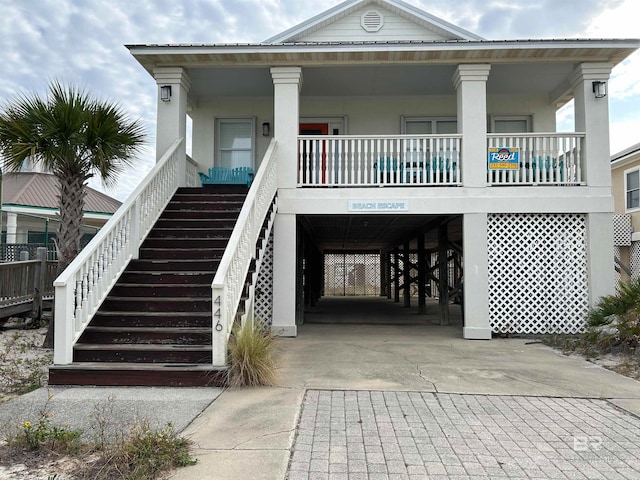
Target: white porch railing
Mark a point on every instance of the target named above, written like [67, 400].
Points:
[192, 173]
[545, 159]
[378, 160]
[229, 281]
[85, 283]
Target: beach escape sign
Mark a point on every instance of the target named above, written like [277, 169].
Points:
[379, 206]
[504, 158]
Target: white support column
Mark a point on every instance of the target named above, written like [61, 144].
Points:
[12, 228]
[287, 82]
[476, 277]
[284, 275]
[172, 114]
[592, 118]
[600, 264]
[471, 86]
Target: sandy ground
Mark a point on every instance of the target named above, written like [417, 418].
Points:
[24, 362]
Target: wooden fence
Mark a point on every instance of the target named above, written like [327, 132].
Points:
[24, 285]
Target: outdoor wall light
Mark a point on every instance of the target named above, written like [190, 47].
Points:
[600, 89]
[165, 93]
[266, 129]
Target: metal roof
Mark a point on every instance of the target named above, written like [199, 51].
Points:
[42, 189]
[340, 53]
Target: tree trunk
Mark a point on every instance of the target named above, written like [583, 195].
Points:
[71, 201]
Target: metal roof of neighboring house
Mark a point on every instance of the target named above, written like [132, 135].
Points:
[41, 190]
[625, 153]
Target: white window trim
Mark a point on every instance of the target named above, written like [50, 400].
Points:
[433, 119]
[626, 172]
[217, 150]
[527, 118]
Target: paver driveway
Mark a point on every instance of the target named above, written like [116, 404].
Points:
[365, 435]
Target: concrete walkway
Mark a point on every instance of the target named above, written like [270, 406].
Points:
[397, 398]
[107, 410]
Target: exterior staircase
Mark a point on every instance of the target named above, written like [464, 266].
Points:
[154, 328]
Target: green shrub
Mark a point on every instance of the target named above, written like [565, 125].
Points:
[614, 323]
[251, 357]
[44, 435]
[144, 454]
[149, 452]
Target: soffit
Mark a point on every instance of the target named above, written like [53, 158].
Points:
[377, 80]
[377, 232]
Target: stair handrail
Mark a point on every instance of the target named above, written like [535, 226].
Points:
[85, 283]
[229, 281]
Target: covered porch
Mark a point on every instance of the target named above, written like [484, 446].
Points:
[403, 120]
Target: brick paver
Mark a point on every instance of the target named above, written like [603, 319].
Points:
[417, 435]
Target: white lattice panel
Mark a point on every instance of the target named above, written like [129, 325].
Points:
[622, 230]
[617, 270]
[263, 302]
[634, 259]
[537, 273]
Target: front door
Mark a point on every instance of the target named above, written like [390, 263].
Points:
[314, 154]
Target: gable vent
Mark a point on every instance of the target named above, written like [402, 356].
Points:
[372, 21]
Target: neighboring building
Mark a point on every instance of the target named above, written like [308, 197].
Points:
[373, 128]
[625, 184]
[30, 212]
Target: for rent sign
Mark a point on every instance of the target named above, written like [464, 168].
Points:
[504, 158]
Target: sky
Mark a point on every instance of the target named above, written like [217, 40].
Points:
[82, 42]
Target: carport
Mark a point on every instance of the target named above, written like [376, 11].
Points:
[414, 261]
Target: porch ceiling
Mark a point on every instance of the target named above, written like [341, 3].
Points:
[383, 68]
[378, 80]
[377, 232]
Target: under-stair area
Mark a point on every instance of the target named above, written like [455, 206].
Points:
[155, 326]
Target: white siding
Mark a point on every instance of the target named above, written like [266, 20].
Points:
[204, 125]
[542, 114]
[396, 28]
[366, 115]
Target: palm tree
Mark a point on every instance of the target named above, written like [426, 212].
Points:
[75, 136]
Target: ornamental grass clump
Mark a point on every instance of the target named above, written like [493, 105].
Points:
[614, 323]
[252, 361]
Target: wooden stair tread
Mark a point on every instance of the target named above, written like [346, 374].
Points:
[157, 249]
[136, 329]
[160, 285]
[115, 313]
[141, 346]
[172, 272]
[158, 299]
[138, 366]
